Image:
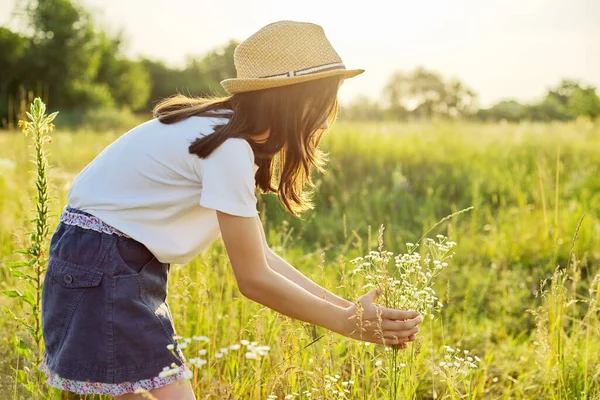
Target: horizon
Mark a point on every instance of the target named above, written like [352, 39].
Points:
[503, 50]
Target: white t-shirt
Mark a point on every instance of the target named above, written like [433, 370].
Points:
[147, 185]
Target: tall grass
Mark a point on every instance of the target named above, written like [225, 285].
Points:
[31, 271]
[521, 294]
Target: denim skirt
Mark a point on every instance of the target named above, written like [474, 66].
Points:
[104, 312]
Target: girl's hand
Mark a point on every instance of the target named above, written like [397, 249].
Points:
[370, 322]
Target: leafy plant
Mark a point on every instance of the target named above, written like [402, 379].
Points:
[31, 270]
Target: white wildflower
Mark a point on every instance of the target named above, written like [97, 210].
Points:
[197, 362]
[169, 372]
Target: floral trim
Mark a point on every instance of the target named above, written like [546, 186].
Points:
[113, 389]
[89, 222]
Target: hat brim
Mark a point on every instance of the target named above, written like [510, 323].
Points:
[239, 85]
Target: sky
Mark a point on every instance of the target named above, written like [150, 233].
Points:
[502, 49]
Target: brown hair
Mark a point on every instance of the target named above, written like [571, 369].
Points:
[292, 114]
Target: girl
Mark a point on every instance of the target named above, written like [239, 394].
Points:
[165, 190]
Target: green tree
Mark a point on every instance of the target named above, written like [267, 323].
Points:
[200, 77]
[549, 109]
[428, 91]
[572, 99]
[585, 102]
[65, 53]
[216, 66]
[13, 48]
[563, 91]
[164, 81]
[425, 94]
[459, 99]
[128, 81]
[81, 66]
[203, 75]
[507, 110]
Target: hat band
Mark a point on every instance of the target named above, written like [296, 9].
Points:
[308, 71]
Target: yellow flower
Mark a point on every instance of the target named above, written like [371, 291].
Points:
[50, 126]
[23, 125]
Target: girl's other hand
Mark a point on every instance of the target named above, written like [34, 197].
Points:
[370, 322]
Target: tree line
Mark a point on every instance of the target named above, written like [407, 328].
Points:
[62, 56]
[74, 66]
[426, 94]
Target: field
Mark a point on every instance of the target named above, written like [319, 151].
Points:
[521, 292]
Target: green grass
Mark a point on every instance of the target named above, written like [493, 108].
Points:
[529, 183]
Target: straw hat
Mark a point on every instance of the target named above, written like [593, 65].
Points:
[284, 53]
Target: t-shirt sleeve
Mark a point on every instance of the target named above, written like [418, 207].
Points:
[228, 183]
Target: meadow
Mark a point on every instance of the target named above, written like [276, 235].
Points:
[520, 294]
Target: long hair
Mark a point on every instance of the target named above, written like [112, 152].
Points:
[292, 115]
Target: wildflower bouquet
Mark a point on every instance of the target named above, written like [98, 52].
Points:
[406, 282]
[409, 286]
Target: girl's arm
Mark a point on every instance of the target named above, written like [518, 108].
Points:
[257, 281]
[281, 266]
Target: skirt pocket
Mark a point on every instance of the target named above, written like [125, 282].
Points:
[64, 287]
[142, 322]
